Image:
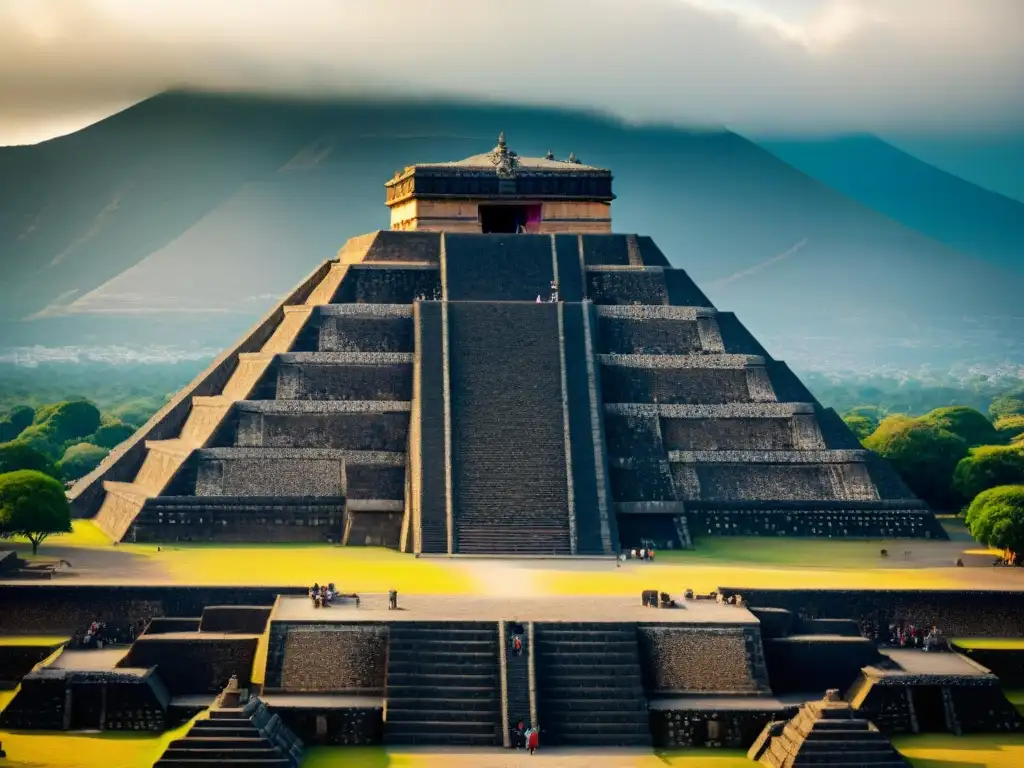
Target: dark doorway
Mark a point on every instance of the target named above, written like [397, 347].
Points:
[86, 706]
[509, 219]
[929, 709]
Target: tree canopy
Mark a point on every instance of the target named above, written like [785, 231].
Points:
[112, 434]
[20, 455]
[966, 423]
[67, 420]
[1008, 404]
[32, 505]
[925, 456]
[15, 421]
[987, 467]
[81, 459]
[996, 519]
[861, 424]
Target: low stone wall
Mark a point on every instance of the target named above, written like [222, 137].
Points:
[910, 705]
[695, 660]
[65, 608]
[815, 517]
[684, 728]
[327, 658]
[1005, 663]
[961, 613]
[812, 664]
[193, 664]
[350, 727]
[39, 704]
[392, 285]
[16, 661]
[621, 384]
[235, 619]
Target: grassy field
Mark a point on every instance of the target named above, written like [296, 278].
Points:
[991, 643]
[738, 562]
[32, 640]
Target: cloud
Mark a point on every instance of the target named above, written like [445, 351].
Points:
[771, 65]
[724, 281]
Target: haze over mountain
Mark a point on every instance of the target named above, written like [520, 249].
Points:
[178, 222]
[940, 205]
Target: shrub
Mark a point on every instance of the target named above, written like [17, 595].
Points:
[924, 455]
[970, 425]
[81, 459]
[32, 505]
[996, 519]
[987, 467]
[20, 455]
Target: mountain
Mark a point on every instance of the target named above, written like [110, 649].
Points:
[942, 206]
[178, 221]
[994, 161]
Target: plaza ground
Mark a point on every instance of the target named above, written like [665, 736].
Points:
[725, 561]
[737, 562]
[133, 751]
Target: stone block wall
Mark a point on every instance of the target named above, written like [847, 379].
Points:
[376, 285]
[368, 481]
[16, 661]
[331, 428]
[498, 267]
[235, 619]
[636, 286]
[622, 384]
[327, 658]
[323, 381]
[196, 664]
[39, 704]
[683, 292]
[984, 708]
[811, 664]
[569, 268]
[365, 334]
[268, 473]
[605, 250]
[240, 519]
[685, 728]
[750, 433]
[349, 727]
[960, 613]
[1005, 663]
[373, 528]
[134, 702]
[880, 519]
[738, 482]
[678, 660]
[626, 336]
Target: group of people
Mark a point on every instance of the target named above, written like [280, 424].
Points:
[95, 635]
[644, 553]
[322, 597]
[525, 738]
[910, 636]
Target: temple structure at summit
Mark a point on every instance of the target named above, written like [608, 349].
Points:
[498, 373]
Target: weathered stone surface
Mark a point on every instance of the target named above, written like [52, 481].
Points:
[685, 660]
[334, 658]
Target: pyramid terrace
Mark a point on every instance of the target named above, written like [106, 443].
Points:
[497, 374]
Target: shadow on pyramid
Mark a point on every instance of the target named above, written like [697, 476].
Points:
[826, 732]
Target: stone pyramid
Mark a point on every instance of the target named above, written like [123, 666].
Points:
[826, 732]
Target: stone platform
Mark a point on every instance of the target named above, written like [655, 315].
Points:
[441, 608]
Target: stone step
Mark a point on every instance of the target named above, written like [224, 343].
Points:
[416, 690]
[440, 681]
[443, 703]
[487, 716]
[219, 742]
[565, 701]
[430, 721]
[431, 738]
[221, 753]
[227, 713]
[209, 762]
[222, 731]
[427, 667]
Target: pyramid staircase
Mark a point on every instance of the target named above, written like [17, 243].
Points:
[236, 736]
[590, 690]
[826, 732]
[443, 685]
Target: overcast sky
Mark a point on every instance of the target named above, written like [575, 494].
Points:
[759, 65]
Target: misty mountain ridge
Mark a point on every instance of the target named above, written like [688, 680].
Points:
[177, 222]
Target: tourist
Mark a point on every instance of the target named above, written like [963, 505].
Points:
[393, 600]
[532, 739]
[650, 554]
[632, 554]
[517, 645]
[643, 553]
[539, 299]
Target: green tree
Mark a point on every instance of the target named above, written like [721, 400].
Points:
[996, 519]
[81, 459]
[32, 505]
[861, 425]
[989, 466]
[970, 425]
[1008, 404]
[67, 420]
[112, 434]
[1009, 427]
[924, 455]
[15, 421]
[36, 438]
[20, 455]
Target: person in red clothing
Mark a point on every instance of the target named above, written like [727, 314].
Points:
[532, 738]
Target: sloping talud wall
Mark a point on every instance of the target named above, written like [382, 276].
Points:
[124, 461]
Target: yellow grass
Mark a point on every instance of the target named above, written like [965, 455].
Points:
[991, 643]
[346, 757]
[943, 751]
[27, 749]
[33, 640]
